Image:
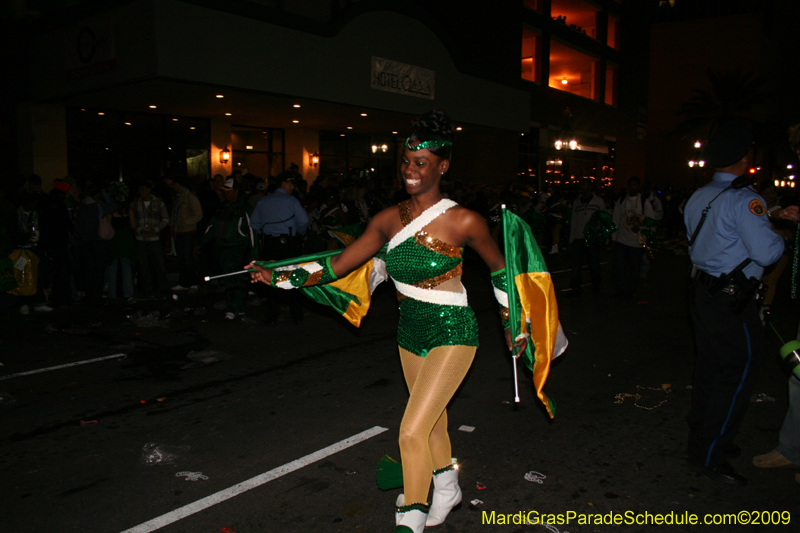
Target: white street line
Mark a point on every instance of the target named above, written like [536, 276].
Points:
[49, 368]
[244, 486]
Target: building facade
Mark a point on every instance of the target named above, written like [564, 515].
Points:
[148, 88]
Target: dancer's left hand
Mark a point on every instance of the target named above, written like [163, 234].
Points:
[522, 344]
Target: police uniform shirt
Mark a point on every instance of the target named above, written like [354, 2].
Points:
[279, 214]
[736, 228]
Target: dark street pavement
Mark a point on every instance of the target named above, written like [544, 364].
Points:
[291, 390]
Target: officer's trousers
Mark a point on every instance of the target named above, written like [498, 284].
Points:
[730, 348]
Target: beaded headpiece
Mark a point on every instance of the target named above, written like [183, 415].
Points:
[428, 145]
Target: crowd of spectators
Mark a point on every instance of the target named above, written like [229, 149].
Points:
[154, 219]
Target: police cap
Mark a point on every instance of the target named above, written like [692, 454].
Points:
[729, 144]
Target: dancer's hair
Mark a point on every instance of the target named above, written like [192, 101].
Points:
[434, 126]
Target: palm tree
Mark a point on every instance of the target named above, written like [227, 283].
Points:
[733, 94]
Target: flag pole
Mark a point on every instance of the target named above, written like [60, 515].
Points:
[513, 318]
[282, 262]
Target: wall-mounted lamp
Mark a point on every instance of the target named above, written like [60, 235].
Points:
[573, 145]
[313, 159]
[224, 156]
[559, 144]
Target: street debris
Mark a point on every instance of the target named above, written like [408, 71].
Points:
[535, 477]
[467, 429]
[204, 358]
[476, 502]
[665, 388]
[7, 399]
[158, 454]
[480, 486]
[148, 320]
[761, 397]
[192, 476]
[175, 313]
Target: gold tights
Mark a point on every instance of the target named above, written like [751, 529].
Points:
[424, 442]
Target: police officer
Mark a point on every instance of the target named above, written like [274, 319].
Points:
[729, 246]
[281, 222]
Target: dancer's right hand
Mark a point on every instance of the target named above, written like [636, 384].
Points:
[259, 273]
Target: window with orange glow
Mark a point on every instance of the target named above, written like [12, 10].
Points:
[531, 54]
[579, 15]
[611, 85]
[573, 71]
[536, 5]
[613, 32]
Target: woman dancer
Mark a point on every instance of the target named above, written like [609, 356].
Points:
[437, 335]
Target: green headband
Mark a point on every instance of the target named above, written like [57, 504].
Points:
[428, 145]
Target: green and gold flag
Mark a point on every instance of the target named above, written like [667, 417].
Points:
[350, 295]
[532, 303]
[346, 234]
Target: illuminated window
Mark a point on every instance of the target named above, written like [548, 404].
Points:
[579, 15]
[613, 32]
[536, 5]
[531, 64]
[573, 71]
[611, 84]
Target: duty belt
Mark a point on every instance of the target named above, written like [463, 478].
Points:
[708, 281]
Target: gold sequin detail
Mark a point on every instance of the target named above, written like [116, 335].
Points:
[282, 276]
[432, 243]
[314, 278]
[438, 280]
[405, 212]
[504, 313]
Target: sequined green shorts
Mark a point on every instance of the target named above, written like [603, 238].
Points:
[424, 326]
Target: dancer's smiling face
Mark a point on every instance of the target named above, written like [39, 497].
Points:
[422, 170]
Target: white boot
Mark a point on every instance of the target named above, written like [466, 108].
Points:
[409, 518]
[446, 495]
